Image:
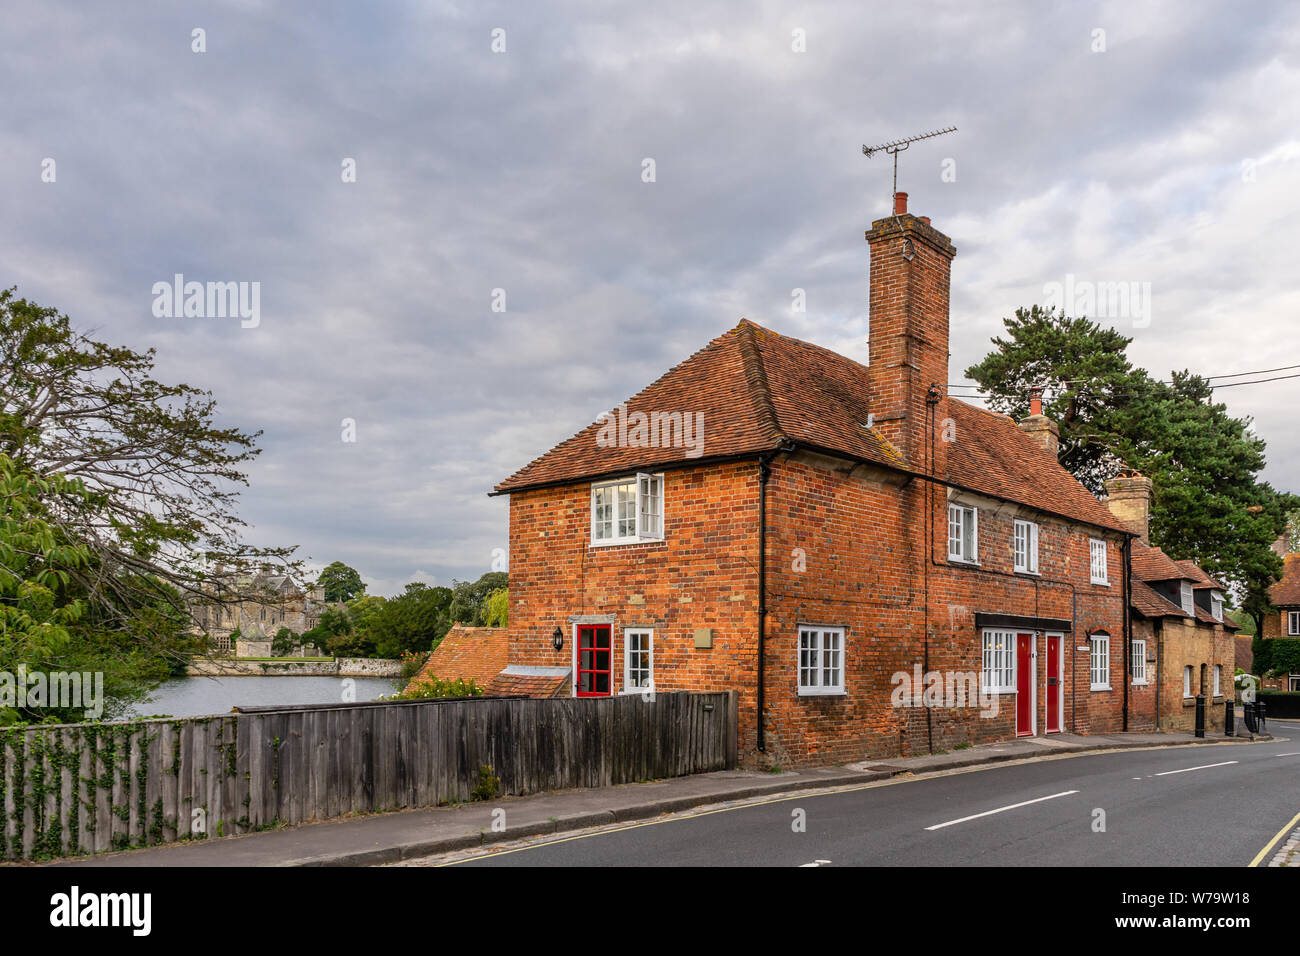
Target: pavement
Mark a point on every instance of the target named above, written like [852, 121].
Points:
[397, 836]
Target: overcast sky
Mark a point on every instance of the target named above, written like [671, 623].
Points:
[1164, 149]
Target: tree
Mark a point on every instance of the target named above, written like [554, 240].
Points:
[285, 642]
[469, 597]
[496, 608]
[1209, 504]
[340, 582]
[415, 620]
[128, 473]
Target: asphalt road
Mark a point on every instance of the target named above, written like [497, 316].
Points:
[1162, 807]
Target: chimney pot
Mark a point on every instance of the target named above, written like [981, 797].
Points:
[925, 219]
[900, 204]
[1036, 402]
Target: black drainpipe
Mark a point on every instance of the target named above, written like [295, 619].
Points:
[763, 472]
[1128, 622]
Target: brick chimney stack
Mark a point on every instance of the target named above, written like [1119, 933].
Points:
[1129, 496]
[908, 343]
[1039, 427]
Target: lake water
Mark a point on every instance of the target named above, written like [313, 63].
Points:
[200, 696]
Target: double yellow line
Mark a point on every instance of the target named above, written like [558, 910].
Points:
[1259, 857]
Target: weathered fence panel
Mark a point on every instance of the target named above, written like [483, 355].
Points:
[85, 788]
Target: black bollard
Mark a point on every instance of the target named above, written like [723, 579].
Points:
[1200, 715]
[1228, 727]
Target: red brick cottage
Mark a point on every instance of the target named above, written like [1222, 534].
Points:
[830, 540]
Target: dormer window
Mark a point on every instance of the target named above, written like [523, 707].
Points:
[1189, 598]
[628, 510]
[1216, 605]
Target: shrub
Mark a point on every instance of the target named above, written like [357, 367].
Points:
[489, 784]
[434, 687]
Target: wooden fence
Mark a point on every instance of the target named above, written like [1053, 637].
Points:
[83, 788]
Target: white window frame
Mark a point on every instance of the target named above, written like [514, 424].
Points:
[1138, 661]
[642, 505]
[649, 634]
[1218, 681]
[1024, 547]
[1099, 662]
[1187, 682]
[1293, 623]
[812, 662]
[1187, 597]
[967, 519]
[1216, 605]
[998, 673]
[1098, 571]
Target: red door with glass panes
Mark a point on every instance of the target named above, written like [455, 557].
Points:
[594, 660]
[1024, 685]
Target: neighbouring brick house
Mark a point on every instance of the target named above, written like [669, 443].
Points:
[773, 517]
[1285, 596]
[1183, 643]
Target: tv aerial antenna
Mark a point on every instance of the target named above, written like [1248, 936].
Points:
[897, 146]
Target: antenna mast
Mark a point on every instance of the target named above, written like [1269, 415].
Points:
[898, 145]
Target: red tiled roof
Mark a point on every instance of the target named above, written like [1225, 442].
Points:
[1150, 604]
[1152, 564]
[1197, 575]
[1205, 617]
[1286, 592]
[993, 456]
[758, 389]
[532, 685]
[467, 653]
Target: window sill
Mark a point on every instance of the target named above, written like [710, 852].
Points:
[619, 542]
[1141, 683]
[967, 562]
[1100, 687]
[819, 692]
[1100, 584]
[1028, 574]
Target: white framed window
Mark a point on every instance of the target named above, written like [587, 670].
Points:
[1293, 683]
[1138, 661]
[1216, 605]
[638, 660]
[1097, 561]
[1293, 623]
[628, 510]
[1188, 597]
[999, 673]
[1025, 547]
[1218, 676]
[1187, 681]
[1099, 662]
[821, 660]
[963, 533]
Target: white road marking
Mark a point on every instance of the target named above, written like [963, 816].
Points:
[986, 813]
[813, 863]
[1189, 769]
[1294, 753]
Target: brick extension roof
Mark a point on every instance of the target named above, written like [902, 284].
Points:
[469, 653]
[758, 389]
[1286, 592]
[533, 685]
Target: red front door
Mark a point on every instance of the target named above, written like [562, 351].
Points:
[1054, 684]
[1024, 684]
[593, 660]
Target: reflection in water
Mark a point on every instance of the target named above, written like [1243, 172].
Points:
[199, 696]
